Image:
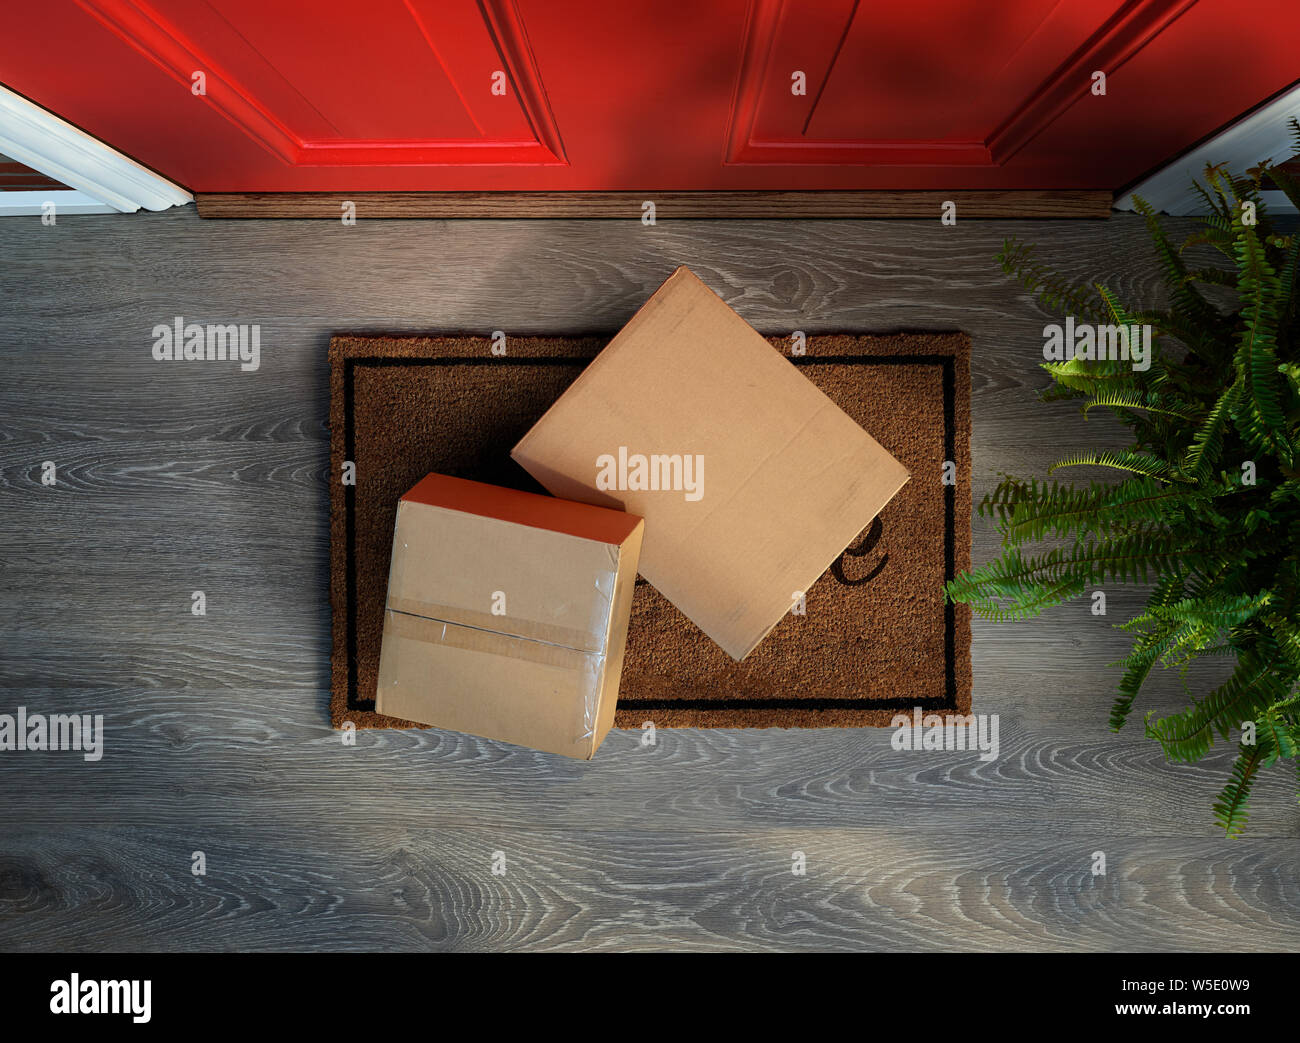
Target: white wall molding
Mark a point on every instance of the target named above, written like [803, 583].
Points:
[59, 150]
[1264, 134]
[66, 201]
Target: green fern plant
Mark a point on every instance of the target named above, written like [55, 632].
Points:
[1208, 508]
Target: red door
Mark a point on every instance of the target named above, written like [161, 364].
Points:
[356, 95]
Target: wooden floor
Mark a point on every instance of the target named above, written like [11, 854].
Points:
[174, 478]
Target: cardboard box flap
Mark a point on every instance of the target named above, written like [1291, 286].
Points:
[526, 692]
[533, 583]
[521, 508]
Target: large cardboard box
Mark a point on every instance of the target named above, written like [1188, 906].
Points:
[750, 480]
[507, 614]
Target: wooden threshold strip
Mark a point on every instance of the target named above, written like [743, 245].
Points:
[668, 205]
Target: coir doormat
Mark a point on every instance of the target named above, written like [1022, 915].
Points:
[875, 637]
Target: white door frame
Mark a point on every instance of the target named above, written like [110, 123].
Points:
[1265, 134]
[101, 179]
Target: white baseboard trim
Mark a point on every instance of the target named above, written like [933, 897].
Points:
[59, 150]
[68, 201]
[1264, 134]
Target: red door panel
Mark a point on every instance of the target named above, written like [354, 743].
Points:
[644, 95]
[331, 66]
[898, 77]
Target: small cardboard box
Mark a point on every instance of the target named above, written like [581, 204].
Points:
[507, 614]
[750, 480]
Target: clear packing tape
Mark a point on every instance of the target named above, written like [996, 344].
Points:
[579, 652]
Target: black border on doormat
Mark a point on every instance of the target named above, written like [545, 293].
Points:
[948, 363]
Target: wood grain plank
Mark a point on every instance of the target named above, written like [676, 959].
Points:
[194, 754]
[176, 478]
[668, 205]
[390, 888]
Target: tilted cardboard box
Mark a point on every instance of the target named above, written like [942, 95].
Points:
[507, 614]
[750, 480]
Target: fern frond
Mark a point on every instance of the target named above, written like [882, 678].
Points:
[1288, 276]
[1054, 509]
[1185, 297]
[1230, 809]
[1285, 637]
[1049, 289]
[1278, 737]
[1123, 460]
[1213, 276]
[1188, 736]
[1135, 673]
[1130, 557]
[1136, 400]
[1285, 183]
[1207, 444]
[1218, 611]
[1259, 414]
[1093, 378]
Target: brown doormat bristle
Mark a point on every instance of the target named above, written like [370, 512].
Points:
[877, 637]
